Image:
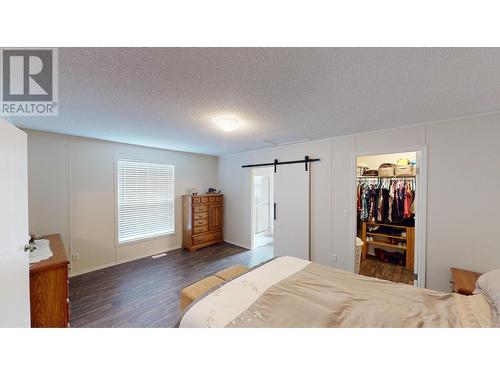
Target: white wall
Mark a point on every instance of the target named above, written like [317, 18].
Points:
[71, 191]
[462, 185]
[463, 197]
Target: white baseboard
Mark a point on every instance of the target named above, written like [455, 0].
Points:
[97, 268]
[237, 244]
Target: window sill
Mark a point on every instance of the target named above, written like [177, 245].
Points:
[145, 239]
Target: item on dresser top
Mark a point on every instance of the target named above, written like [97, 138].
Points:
[192, 191]
[213, 191]
[42, 251]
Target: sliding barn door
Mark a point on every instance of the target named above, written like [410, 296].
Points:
[291, 222]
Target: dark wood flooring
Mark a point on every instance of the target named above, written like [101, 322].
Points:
[374, 267]
[145, 292]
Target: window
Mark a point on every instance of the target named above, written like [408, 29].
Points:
[145, 200]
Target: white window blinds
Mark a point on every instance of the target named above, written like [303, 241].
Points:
[145, 200]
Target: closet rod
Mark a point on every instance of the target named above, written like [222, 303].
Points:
[276, 162]
[393, 177]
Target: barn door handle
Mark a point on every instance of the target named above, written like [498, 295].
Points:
[274, 209]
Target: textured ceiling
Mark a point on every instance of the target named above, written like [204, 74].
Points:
[167, 97]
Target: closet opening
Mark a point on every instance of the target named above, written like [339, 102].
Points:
[262, 208]
[388, 190]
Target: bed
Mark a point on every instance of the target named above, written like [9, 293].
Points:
[292, 292]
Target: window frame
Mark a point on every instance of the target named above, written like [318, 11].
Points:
[115, 192]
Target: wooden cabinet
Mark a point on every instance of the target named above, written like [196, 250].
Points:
[214, 217]
[399, 242]
[202, 220]
[49, 288]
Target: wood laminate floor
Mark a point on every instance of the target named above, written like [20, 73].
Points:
[145, 292]
[374, 267]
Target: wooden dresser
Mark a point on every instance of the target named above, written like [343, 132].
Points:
[202, 220]
[49, 291]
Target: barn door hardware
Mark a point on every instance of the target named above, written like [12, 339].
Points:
[306, 162]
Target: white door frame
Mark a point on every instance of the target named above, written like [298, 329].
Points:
[421, 214]
[269, 200]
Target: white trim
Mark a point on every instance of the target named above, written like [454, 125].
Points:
[421, 222]
[236, 244]
[146, 255]
[143, 239]
[252, 204]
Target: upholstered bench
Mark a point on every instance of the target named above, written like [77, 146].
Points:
[196, 290]
[232, 272]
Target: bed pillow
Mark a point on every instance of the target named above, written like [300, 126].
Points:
[489, 284]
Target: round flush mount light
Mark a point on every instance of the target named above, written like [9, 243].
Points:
[228, 124]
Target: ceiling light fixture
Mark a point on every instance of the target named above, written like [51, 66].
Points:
[227, 124]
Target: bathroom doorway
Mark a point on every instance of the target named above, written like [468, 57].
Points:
[262, 207]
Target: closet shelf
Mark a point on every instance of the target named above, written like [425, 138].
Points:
[386, 225]
[385, 235]
[381, 243]
[392, 177]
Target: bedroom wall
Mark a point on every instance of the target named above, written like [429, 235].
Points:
[463, 203]
[71, 191]
[461, 224]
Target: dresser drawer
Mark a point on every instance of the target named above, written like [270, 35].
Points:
[200, 200]
[199, 223]
[197, 209]
[202, 229]
[200, 215]
[214, 199]
[206, 238]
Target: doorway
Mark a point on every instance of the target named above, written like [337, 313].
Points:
[390, 212]
[262, 207]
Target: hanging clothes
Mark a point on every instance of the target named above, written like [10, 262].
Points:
[386, 200]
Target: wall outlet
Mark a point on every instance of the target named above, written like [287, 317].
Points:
[75, 257]
[334, 258]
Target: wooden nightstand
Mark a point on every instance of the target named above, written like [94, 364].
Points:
[464, 282]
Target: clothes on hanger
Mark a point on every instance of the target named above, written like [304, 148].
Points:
[386, 200]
